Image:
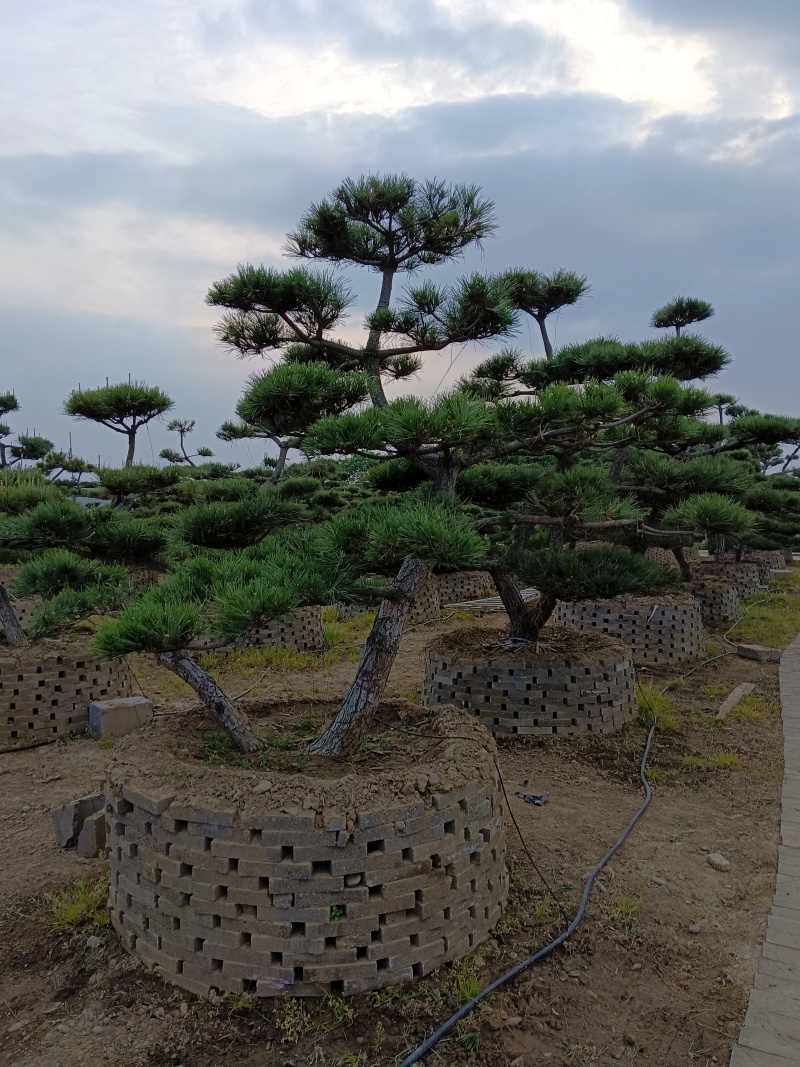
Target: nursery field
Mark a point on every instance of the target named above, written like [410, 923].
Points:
[659, 972]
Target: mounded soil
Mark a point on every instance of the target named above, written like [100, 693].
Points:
[555, 643]
[409, 747]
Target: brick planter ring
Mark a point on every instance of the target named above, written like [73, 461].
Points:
[41, 695]
[668, 631]
[745, 576]
[718, 598]
[524, 694]
[270, 899]
[302, 629]
[465, 585]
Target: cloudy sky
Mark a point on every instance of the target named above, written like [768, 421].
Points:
[148, 148]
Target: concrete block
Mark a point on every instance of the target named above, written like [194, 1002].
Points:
[735, 698]
[92, 838]
[759, 652]
[115, 718]
[68, 819]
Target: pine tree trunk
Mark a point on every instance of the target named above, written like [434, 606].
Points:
[618, 464]
[283, 452]
[371, 360]
[687, 574]
[131, 448]
[234, 722]
[719, 548]
[526, 617]
[15, 635]
[360, 706]
[548, 348]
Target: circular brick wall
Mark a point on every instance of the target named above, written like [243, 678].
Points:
[42, 694]
[669, 630]
[767, 562]
[239, 892]
[718, 599]
[302, 629]
[745, 576]
[465, 585]
[522, 693]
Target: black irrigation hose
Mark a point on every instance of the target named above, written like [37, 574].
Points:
[24, 748]
[549, 949]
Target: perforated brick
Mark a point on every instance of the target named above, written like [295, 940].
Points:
[745, 576]
[271, 904]
[427, 604]
[302, 629]
[465, 585]
[655, 632]
[514, 695]
[718, 599]
[42, 695]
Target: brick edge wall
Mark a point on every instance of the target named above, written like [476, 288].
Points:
[655, 633]
[514, 697]
[219, 900]
[48, 694]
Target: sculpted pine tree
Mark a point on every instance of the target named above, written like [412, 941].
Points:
[27, 446]
[124, 408]
[390, 224]
[681, 312]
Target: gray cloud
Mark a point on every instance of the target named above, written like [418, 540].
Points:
[705, 206]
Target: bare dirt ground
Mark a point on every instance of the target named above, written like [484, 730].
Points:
[658, 973]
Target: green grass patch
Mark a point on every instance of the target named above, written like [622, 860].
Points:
[723, 761]
[773, 619]
[655, 705]
[83, 903]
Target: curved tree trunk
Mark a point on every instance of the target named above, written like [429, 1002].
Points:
[131, 447]
[360, 706]
[618, 464]
[548, 348]
[719, 548]
[527, 617]
[371, 359]
[15, 635]
[687, 575]
[234, 722]
[283, 452]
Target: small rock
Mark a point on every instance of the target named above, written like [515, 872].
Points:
[658, 881]
[263, 787]
[616, 1053]
[97, 1030]
[636, 967]
[62, 1028]
[514, 1020]
[94, 941]
[15, 1027]
[352, 879]
[629, 1039]
[718, 861]
[433, 779]
[184, 1008]
[694, 928]
[408, 789]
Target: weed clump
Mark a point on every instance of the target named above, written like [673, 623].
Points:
[83, 903]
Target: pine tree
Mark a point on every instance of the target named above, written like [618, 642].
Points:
[124, 408]
[390, 224]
